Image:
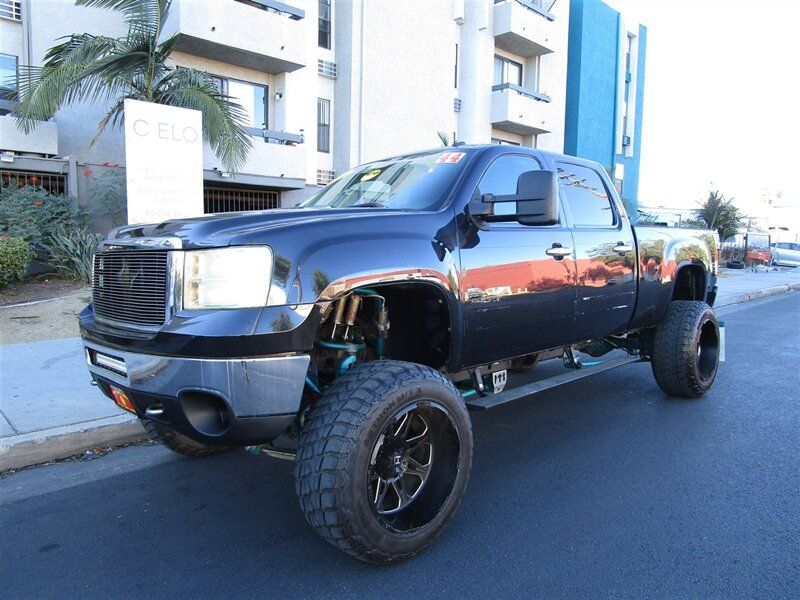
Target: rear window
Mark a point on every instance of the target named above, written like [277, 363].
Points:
[585, 195]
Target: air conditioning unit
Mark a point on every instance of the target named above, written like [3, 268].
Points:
[326, 68]
[457, 104]
[626, 140]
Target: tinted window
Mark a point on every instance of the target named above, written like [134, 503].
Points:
[501, 179]
[415, 182]
[585, 195]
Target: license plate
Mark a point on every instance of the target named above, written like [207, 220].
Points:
[121, 399]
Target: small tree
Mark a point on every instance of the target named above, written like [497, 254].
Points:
[444, 138]
[94, 68]
[718, 213]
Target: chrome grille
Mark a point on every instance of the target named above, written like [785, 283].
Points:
[130, 287]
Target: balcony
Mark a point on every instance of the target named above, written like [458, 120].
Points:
[523, 27]
[275, 155]
[264, 35]
[42, 140]
[518, 110]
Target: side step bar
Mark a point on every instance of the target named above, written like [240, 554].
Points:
[482, 403]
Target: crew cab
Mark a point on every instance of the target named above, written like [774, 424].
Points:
[353, 332]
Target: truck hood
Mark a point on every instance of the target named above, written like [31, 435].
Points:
[262, 227]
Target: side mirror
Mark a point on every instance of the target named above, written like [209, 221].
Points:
[537, 198]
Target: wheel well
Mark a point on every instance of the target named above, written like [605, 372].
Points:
[420, 324]
[418, 320]
[690, 283]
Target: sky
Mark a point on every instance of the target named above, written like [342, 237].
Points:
[722, 102]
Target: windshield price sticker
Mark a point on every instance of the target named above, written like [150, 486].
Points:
[450, 157]
[371, 175]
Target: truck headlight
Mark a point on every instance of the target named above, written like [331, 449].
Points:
[237, 277]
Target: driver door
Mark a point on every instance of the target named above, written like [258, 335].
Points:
[518, 294]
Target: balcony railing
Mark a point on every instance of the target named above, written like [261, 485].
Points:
[275, 6]
[276, 137]
[536, 6]
[521, 91]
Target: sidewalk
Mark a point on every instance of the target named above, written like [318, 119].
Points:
[741, 285]
[49, 409]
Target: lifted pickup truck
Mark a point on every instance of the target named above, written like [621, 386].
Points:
[353, 333]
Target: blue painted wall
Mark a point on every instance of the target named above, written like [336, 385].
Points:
[593, 55]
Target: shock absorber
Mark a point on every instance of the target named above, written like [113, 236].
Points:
[338, 314]
[352, 311]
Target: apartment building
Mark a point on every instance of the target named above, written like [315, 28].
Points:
[605, 92]
[326, 84]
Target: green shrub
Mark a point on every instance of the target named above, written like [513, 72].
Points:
[33, 213]
[15, 258]
[70, 251]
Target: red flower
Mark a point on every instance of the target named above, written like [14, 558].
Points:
[3, 235]
[38, 203]
[106, 164]
[20, 184]
[87, 171]
[34, 179]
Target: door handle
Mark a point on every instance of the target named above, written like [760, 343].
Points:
[558, 251]
[622, 248]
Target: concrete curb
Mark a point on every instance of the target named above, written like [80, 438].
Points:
[34, 448]
[762, 293]
[30, 449]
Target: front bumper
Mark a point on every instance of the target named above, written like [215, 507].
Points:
[235, 401]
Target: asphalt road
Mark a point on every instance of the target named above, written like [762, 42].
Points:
[603, 488]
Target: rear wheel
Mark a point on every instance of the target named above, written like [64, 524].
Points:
[383, 460]
[177, 442]
[686, 349]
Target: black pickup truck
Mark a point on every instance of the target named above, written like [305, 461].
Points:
[353, 333]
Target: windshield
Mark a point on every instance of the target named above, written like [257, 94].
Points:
[416, 182]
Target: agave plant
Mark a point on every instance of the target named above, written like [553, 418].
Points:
[70, 251]
[100, 69]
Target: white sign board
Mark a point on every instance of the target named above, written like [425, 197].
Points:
[163, 162]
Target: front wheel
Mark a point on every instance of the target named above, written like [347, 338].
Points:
[686, 349]
[383, 460]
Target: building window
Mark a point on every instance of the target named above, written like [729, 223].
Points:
[325, 24]
[455, 70]
[323, 125]
[253, 98]
[8, 77]
[506, 71]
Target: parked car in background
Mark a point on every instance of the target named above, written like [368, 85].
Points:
[786, 254]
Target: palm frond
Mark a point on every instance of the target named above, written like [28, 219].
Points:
[145, 16]
[223, 119]
[113, 117]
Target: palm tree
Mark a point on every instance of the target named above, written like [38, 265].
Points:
[718, 213]
[95, 68]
